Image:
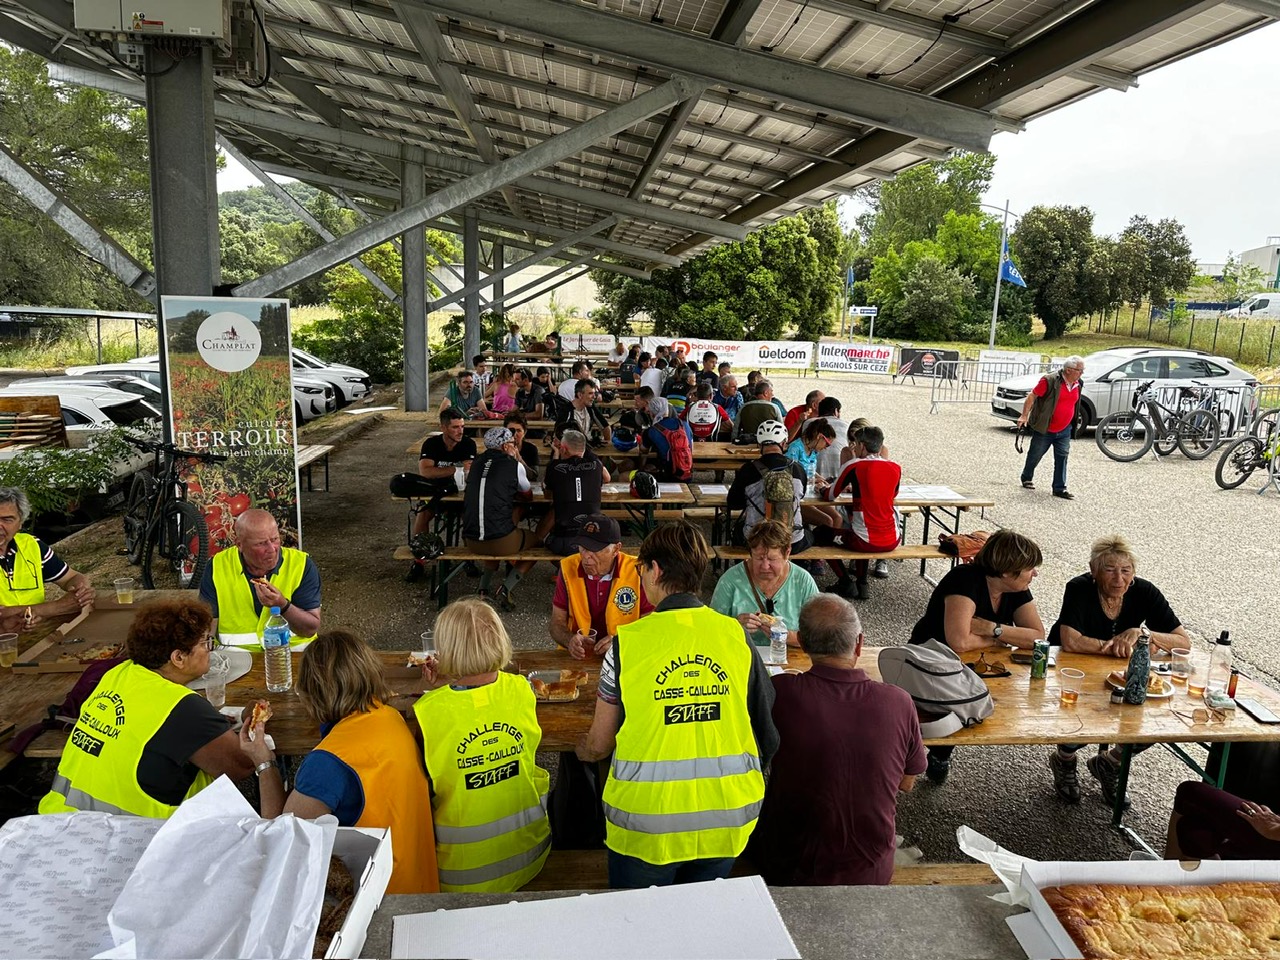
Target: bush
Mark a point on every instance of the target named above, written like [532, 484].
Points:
[369, 337]
[56, 479]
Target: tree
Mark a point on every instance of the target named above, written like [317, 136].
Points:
[1171, 266]
[936, 299]
[1238, 280]
[1054, 245]
[246, 251]
[913, 205]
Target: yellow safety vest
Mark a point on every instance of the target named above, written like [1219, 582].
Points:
[26, 589]
[380, 749]
[99, 767]
[624, 594]
[238, 624]
[685, 783]
[490, 803]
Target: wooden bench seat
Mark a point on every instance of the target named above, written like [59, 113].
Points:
[911, 551]
[588, 870]
[461, 554]
[309, 455]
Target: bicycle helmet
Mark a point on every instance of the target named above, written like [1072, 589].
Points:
[426, 546]
[644, 486]
[624, 439]
[771, 431]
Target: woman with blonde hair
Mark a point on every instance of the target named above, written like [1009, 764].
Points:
[365, 770]
[480, 736]
[1102, 613]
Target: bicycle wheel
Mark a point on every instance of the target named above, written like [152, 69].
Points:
[141, 490]
[1197, 434]
[177, 549]
[1238, 461]
[1226, 423]
[1264, 427]
[1124, 436]
[1167, 442]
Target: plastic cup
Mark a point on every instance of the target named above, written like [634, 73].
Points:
[428, 638]
[1180, 666]
[124, 589]
[8, 649]
[215, 679]
[1070, 683]
[1198, 675]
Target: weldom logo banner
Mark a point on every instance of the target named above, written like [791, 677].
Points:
[231, 392]
[854, 358]
[776, 354]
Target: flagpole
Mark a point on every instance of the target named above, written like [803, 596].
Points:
[995, 307]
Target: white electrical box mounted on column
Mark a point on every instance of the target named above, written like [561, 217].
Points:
[153, 19]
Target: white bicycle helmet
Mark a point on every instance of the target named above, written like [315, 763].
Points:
[771, 431]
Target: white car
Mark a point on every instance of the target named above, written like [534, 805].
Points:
[84, 411]
[88, 383]
[349, 383]
[311, 397]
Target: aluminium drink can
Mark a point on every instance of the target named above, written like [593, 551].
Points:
[1039, 659]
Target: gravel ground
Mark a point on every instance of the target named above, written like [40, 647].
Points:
[1165, 507]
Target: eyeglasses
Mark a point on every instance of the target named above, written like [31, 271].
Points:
[1201, 715]
[989, 668]
[209, 642]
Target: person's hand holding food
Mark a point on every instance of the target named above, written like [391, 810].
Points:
[253, 732]
[268, 594]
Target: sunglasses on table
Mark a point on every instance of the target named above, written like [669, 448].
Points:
[1201, 715]
[989, 668]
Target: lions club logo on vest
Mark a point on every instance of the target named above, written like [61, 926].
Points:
[625, 599]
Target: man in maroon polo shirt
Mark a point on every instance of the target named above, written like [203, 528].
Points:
[1050, 411]
[849, 745]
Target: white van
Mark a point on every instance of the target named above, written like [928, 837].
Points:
[1258, 306]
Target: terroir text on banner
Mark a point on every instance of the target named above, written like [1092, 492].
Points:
[854, 358]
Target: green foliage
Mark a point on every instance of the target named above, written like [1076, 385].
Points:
[1170, 267]
[1054, 245]
[784, 277]
[493, 329]
[56, 479]
[936, 299]
[369, 337]
[246, 250]
[1238, 280]
[913, 204]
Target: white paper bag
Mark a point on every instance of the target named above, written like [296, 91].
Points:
[219, 881]
[1007, 866]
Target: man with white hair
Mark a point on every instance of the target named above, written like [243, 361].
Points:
[1050, 412]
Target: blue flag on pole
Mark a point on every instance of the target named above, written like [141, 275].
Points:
[848, 280]
[1008, 271]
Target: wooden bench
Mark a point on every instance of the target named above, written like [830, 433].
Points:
[913, 551]
[451, 561]
[309, 455]
[588, 870]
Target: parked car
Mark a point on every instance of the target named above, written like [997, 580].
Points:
[349, 383]
[311, 397]
[1260, 305]
[1167, 367]
[88, 383]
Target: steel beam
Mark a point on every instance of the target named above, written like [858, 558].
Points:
[489, 179]
[542, 253]
[471, 277]
[543, 279]
[555, 286]
[498, 279]
[303, 214]
[631, 40]
[1264, 8]
[413, 268]
[97, 243]
[622, 249]
[1093, 33]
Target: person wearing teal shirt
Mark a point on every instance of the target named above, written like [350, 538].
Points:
[767, 584]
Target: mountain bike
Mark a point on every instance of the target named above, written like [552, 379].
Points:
[1127, 436]
[162, 530]
[1240, 458]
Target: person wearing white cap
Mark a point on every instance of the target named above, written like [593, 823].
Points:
[760, 488]
[496, 484]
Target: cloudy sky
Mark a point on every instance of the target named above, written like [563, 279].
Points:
[1197, 141]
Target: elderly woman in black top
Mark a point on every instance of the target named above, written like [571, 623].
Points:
[1102, 613]
[981, 605]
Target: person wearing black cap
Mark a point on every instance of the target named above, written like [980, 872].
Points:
[596, 589]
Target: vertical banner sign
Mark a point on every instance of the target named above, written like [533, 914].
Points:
[231, 392]
[848, 358]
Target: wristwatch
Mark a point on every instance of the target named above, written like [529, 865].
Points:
[996, 631]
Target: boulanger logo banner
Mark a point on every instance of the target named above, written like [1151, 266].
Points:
[231, 392]
[778, 354]
[851, 358]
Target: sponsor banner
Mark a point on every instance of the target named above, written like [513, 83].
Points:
[997, 365]
[923, 362]
[848, 358]
[586, 342]
[231, 392]
[778, 354]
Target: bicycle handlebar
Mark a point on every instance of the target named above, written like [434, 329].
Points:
[151, 446]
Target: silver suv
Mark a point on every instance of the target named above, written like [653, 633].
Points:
[1167, 367]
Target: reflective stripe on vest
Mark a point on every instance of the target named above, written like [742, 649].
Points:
[380, 749]
[26, 587]
[623, 605]
[238, 623]
[99, 767]
[686, 781]
[492, 833]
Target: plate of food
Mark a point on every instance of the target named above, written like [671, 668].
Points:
[100, 651]
[1158, 687]
[557, 686]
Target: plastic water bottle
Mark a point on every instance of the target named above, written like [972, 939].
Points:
[1139, 671]
[810, 485]
[1220, 665]
[778, 643]
[275, 651]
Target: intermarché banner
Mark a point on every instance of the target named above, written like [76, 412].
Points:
[743, 354]
[231, 392]
[854, 358]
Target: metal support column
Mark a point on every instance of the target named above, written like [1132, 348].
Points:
[413, 293]
[471, 276]
[499, 288]
[184, 187]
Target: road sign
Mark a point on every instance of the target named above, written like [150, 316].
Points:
[864, 311]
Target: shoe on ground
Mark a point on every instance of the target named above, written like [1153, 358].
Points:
[880, 570]
[1064, 494]
[1107, 772]
[416, 572]
[937, 771]
[1065, 781]
[844, 587]
[470, 569]
[502, 596]
[1028, 485]
[862, 592]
